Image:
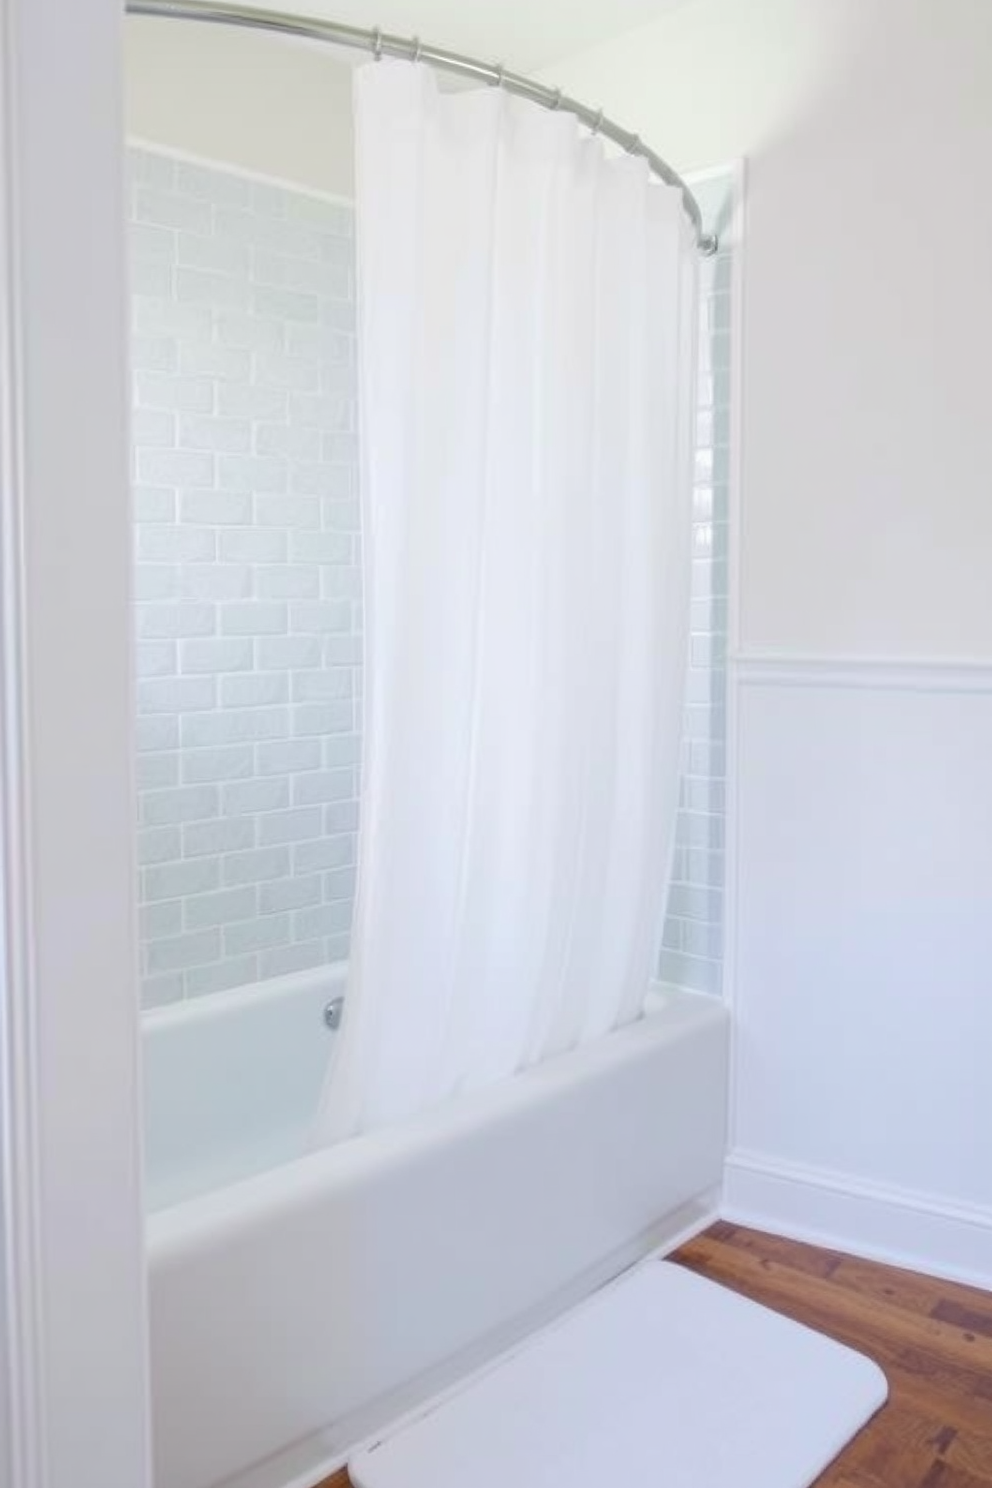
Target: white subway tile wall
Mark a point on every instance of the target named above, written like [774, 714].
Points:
[692, 950]
[248, 587]
[247, 577]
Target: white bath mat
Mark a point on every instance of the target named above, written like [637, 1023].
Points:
[663, 1380]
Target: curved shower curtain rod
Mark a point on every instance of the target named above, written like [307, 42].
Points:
[410, 49]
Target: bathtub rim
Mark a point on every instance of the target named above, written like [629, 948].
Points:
[173, 1230]
[212, 1006]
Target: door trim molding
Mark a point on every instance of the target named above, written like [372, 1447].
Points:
[73, 1330]
[22, 1410]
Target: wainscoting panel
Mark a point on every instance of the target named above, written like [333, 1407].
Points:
[861, 976]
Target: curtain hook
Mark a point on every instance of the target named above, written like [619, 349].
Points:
[597, 124]
[634, 148]
[417, 48]
[500, 74]
[557, 102]
[377, 44]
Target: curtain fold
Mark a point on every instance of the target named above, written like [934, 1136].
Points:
[527, 324]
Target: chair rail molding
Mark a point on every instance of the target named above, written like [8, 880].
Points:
[880, 673]
[73, 1338]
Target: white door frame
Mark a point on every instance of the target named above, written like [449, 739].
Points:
[73, 1330]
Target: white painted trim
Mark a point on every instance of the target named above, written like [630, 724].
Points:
[879, 1221]
[23, 1428]
[876, 673]
[735, 500]
[242, 172]
[706, 173]
[735, 495]
[73, 1340]
[733, 240]
[731, 897]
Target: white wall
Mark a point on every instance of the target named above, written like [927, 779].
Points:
[524, 33]
[863, 1109]
[271, 105]
[867, 126]
[864, 796]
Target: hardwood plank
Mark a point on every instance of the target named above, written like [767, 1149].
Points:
[972, 1452]
[919, 1355]
[938, 1423]
[927, 1295]
[945, 1475]
[858, 1316]
[808, 1259]
[852, 1479]
[960, 1408]
[971, 1319]
[724, 1231]
[901, 1444]
[887, 1285]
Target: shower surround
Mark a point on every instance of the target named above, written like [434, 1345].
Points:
[247, 575]
[248, 585]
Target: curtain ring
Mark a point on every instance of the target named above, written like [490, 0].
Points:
[500, 74]
[377, 44]
[597, 124]
[557, 102]
[417, 48]
[635, 145]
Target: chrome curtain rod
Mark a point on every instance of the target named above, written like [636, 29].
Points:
[411, 49]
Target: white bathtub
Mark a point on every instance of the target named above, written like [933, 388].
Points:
[300, 1299]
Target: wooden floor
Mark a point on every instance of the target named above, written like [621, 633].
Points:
[933, 1340]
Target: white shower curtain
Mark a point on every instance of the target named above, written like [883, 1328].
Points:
[527, 329]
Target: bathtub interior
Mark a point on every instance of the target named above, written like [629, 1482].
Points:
[232, 1081]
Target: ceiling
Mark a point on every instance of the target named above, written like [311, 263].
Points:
[525, 34]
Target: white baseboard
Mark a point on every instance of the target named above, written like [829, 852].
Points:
[920, 1231]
